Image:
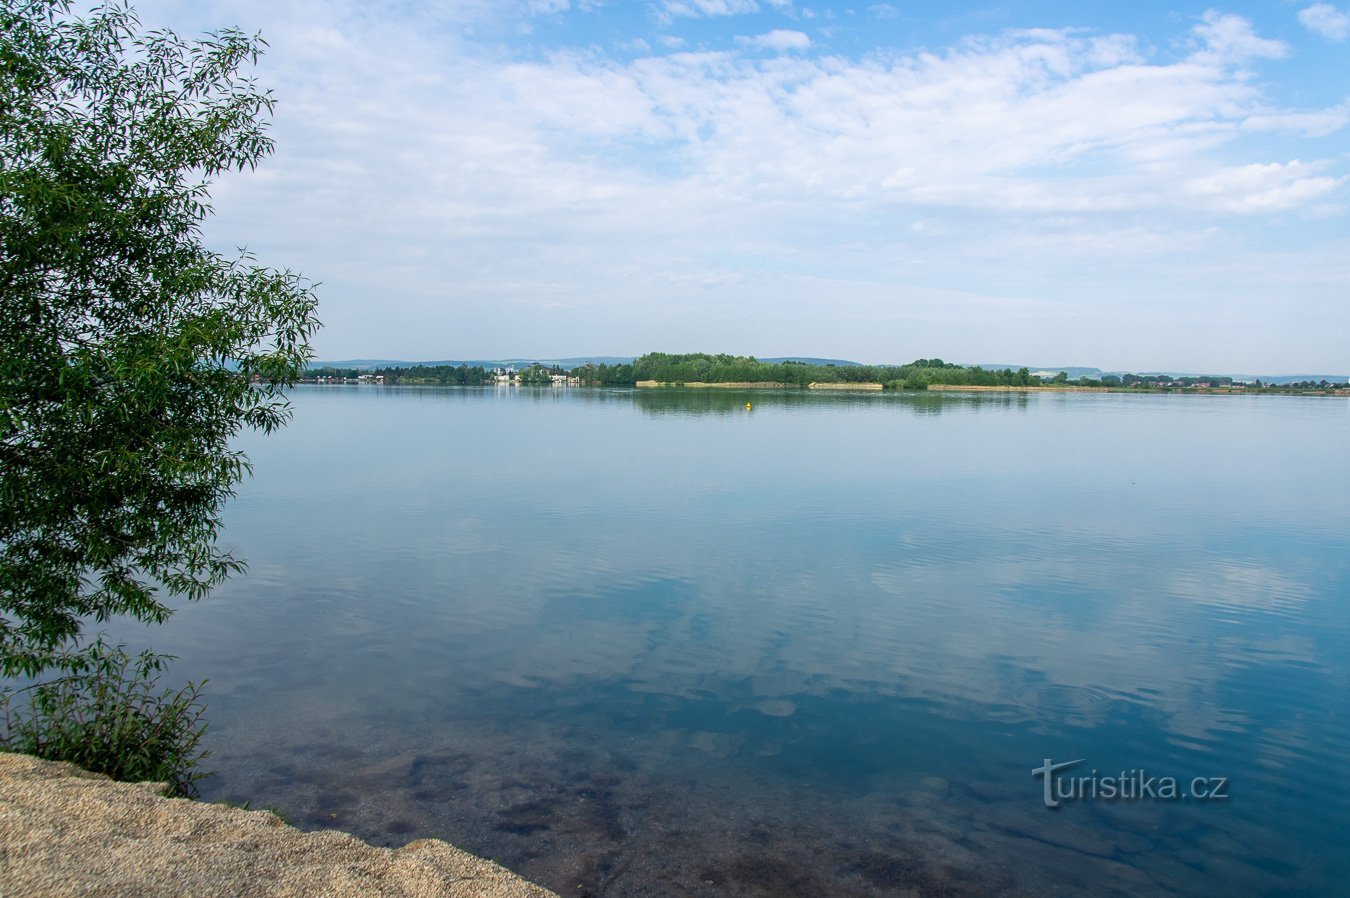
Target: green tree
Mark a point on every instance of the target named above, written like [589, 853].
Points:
[130, 354]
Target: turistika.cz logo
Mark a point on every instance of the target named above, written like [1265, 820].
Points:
[1132, 785]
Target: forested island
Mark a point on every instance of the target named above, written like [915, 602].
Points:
[659, 369]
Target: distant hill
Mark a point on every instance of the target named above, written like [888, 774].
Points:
[807, 360]
[1264, 378]
[1073, 371]
[367, 363]
[568, 363]
[1076, 372]
[1242, 378]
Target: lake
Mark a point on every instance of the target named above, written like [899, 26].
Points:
[634, 643]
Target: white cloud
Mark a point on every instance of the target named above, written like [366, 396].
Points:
[1263, 187]
[1315, 123]
[1326, 20]
[979, 126]
[778, 39]
[697, 8]
[1234, 39]
[884, 11]
[443, 185]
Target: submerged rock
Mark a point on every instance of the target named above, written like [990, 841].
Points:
[66, 831]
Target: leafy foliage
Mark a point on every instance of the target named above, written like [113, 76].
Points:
[443, 375]
[537, 375]
[700, 367]
[130, 354]
[416, 375]
[107, 716]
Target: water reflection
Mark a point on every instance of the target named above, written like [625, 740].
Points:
[718, 401]
[812, 649]
[710, 401]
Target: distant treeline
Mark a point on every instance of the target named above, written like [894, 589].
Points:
[697, 367]
[1164, 380]
[434, 375]
[442, 375]
[701, 367]
[1303, 386]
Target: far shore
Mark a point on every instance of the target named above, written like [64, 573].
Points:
[870, 387]
[725, 385]
[873, 387]
[754, 385]
[968, 388]
[1045, 388]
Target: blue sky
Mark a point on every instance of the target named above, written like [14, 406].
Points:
[1143, 186]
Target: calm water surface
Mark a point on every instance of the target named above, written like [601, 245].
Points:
[654, 643]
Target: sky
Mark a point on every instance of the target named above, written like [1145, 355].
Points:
[1137, 186]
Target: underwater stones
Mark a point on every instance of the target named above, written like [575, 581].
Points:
[1237, 873]
[399, 765]
[1139, 817]
[999, 792]
[1045, 826]
[67, 831]
[719, 745]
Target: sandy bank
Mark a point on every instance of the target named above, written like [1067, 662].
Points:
[65, 831]
[721, 385]
[834, 386]
[753, 385]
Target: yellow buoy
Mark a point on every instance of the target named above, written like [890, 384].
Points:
[747, 405]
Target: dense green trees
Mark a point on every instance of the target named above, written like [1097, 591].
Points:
[603, 375]
[538, 375]
[700, 367]
[920, 374]
[130, 354]
[443, 375]
[436, 375]
[1168, 380]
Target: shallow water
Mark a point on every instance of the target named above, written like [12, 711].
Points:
[657, 643]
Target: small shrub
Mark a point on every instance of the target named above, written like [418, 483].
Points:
[108, 716]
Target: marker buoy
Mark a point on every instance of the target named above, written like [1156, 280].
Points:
[747, 406]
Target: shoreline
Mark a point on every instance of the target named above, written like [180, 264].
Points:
[66, 831]
[1044, 388]
[752, 385]
[974, 388]
[872, 387]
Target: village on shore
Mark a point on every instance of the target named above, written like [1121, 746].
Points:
[700, 370]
